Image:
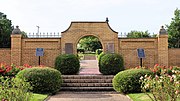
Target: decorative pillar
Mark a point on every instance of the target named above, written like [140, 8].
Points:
[16, 46]
[163, 47]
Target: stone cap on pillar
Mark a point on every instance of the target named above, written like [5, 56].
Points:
[162, 31]
[16, 30]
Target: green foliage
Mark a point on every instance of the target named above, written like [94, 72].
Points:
[138, 34]
[174, 30]
[111, 63]
[43, 80]
[164, 86]
[80, 50]
[67, 64]
[5, 31]
[128, 81]
[90, 43]
[14, 89]
[99, 51]
[24, 34]
[100, 56]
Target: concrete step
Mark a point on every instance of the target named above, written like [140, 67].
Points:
[87, 88]
[86, 85]
[87, 76]
[87, 80]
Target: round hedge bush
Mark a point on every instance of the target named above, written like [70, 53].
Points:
[111, 63]
[127, 81]
[67, 64]
[43, 80]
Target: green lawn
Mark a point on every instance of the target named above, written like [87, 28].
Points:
[81, 56]
[39, 97]
[90, 54]
[139, 97]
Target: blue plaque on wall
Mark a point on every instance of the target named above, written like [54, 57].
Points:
[141, 53]
[39, 51]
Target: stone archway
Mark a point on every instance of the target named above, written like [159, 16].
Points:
[88, 36]
[77, 30]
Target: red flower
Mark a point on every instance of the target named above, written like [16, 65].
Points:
[2, 71]
[170, 67]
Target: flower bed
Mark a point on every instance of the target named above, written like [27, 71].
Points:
[164, 85]
[11, 70]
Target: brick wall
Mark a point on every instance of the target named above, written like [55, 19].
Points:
[174, 56]
[156, 49]
[52, 47]
[128, 49]
[5, 55]
[51, 51]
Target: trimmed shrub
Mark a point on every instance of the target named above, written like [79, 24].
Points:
[98, 51]
[128, 81]
[111, 63]
[67, 64]
[43, 80]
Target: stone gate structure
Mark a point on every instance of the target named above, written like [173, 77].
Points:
[77, 30]
[23, 50]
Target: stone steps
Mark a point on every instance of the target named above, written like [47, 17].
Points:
[87, 82]
[87, 88]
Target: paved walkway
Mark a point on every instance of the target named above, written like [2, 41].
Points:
[88, 67]
[89, 64]
[88, 96]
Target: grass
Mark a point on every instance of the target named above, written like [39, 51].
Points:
[139, 97]
[81, 55]
[39, 97]
[90, 54]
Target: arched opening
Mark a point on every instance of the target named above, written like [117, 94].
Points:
[86, 50]
[88, 46]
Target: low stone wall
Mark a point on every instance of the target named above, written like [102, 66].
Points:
[174, 56]
[5, 55]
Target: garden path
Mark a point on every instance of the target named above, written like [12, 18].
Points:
[89, 66]
[88, 96]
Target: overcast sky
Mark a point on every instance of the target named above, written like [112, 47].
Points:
[56, 15]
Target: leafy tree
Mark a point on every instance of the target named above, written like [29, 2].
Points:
[5, 31]
[24, 34]
[138, 34]
[174, 30]
[90, 43]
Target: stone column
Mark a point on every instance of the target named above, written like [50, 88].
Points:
[163, 47]
[16, 46]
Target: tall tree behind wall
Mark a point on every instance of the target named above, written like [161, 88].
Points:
[90, 43]
[5, 31]
[138, 34]
[174, 30]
